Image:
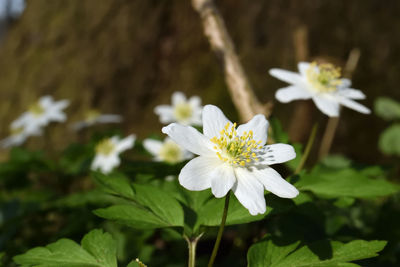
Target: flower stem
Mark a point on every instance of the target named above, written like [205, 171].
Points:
[220, 231]
[307, 149]
[192, 243]
[327, 139]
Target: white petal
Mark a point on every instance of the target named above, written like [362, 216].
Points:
[153, 146]
[291, 93]
[21, 120]
[278, 153]
[189, 138]
[46, 101]
[125, 144]
[186, 154]
[286, 76]
[214, 121]
[166, 113]
[197, 174]
[79, 125]
[354, 105]
[259, 125]
[105, 163]
[351, 93]
[274, 182]
[178, 97]
[59, 105]
[195, 102]
[249, 191]
[328, 106]
[222, 180]
[109, 118]
[303, 66]
[346, 83]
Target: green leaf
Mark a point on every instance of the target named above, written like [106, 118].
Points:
[211, 213]
[97, 250]
[278, 254]
[150, 208]
[133, 216]
[389, 141]
[115, 184]
[332, 183]
[161, 203]
[387, 108]
[336, 161]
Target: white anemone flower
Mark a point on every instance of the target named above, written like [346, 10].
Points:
[323, 84]
[184, 111]
[108, 150]
[41, 113]
[18, 136]
[233, 158]
[93, 117]
[167, 150]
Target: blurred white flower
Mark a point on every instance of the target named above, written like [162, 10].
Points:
[321, 83]
[18, 136]
[186, 112]
[167, 151]
[93, 117]
[233, 158]
[41, 114]
[108, 150]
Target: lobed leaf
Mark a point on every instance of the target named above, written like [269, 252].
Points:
[98, 250]
[324, 253]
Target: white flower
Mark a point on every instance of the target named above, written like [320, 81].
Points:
[167, 151]
[186, 112]
[93, 117]
[321, 83]
[42, 113]
[233, 158]
[18, 136]
[108, 150]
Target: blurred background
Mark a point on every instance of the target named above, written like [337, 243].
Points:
[125, 57]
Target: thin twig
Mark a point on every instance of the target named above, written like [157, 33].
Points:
[307, 150]
[241, 92]
[333, 122]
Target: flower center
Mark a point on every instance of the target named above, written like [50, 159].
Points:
[92, 115]
[36, 109]
[170, 152]
[105, 147]
[325, 78]
[16, 131]
[183, 111]
[235, 149]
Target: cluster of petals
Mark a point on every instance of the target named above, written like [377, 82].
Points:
[108, 150]
[31, 122]
[184, 111]
[233, 158]
[322, 84]
[95, 117]
[166, 151]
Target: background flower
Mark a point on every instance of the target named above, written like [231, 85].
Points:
[321, 83]
[182, 110]
[41, 113]
[93, 117]
[108, 150]
[167, 150]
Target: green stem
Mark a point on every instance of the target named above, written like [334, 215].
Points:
[220, 231]
[192, 243]
[308, 148]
